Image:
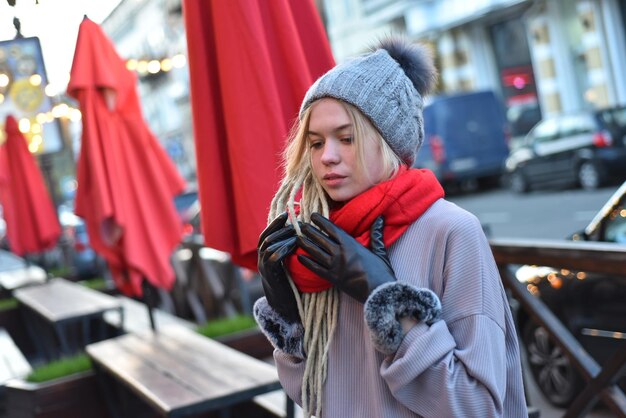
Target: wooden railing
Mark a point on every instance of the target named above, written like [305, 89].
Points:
[583, 256]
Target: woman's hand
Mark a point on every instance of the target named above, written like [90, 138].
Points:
[337, 257]
[276, 242]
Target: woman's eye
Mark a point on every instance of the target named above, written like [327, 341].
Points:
[315, 145]
[347, 139]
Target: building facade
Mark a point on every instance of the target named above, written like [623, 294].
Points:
[543, 57]
[150, 35]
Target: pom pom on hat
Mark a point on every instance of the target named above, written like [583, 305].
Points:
[415, 61]
[387, 85]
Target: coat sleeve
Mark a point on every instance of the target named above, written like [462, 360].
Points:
[458, 365]
[287, 340]
[290, 371]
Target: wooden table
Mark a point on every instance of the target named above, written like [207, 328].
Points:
[61, 303]
[179, 372]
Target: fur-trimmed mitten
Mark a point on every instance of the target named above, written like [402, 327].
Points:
[392, 301]
[286, 336]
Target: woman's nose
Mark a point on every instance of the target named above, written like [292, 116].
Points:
[330, 154]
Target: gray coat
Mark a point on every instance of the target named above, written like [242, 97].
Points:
[465, 365]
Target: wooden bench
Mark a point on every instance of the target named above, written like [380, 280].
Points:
[61, 304]
[179, 372]
[13, 364]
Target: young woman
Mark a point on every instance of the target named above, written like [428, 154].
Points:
[382, 298]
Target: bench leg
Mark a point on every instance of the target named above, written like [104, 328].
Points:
[290, 408]
[106, 388]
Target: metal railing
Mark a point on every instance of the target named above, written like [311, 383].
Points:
[583, 256]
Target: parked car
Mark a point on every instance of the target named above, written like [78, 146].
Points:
[465, 138]
[188, 208]
[16, 272]
[586, 148]
[591, 305]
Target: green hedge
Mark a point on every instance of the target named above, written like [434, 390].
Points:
[60, 368]
[8, 303]
[225, 326]
[81, 362]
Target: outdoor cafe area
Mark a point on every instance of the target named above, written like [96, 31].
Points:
[137, 371]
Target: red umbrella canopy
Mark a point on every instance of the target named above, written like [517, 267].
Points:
[250, 63]
[32, 222]
[126, 182]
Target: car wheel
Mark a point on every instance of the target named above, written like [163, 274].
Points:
[589, 176]
[518, 183]
[552, 370]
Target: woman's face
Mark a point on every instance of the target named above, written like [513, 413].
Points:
[333, 153]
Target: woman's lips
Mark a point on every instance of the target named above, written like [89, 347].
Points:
[333, 180]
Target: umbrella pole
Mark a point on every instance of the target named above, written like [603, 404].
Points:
[148, 298]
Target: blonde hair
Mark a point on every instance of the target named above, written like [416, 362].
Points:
[319, 310]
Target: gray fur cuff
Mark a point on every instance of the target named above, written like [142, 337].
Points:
[392, 301]
[285, 336]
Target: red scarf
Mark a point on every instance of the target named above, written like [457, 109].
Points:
[400, 200]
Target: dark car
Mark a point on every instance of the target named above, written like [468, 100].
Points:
[592, 306]
[465, 138]
[585, 148]
[188, 208]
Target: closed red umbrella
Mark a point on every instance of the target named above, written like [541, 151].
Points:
[126, 182]
[250, 64]
[32, 223]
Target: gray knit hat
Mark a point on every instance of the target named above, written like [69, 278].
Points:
[387, 85]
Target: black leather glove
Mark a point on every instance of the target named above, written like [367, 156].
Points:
[276, 242]
[337, 257]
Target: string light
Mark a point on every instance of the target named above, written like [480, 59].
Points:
[32, 127]
[155, 66]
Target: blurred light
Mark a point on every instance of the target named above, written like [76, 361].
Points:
[622, 212]
[179, 60]
[519, 82]
[581, 275]
[556, 283]
[75, 115]
[565, 272]
[166, 64]
[142, 67]
[131, 64]
[590, 95]
[35, 128]
[4, 80]
[35, 143]
[51, 90]
[532, 273]
[41, 118]
[1, 98]
[60, 110]
[154, 66]
[24, 125]
[533, 289]
[35, 80]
